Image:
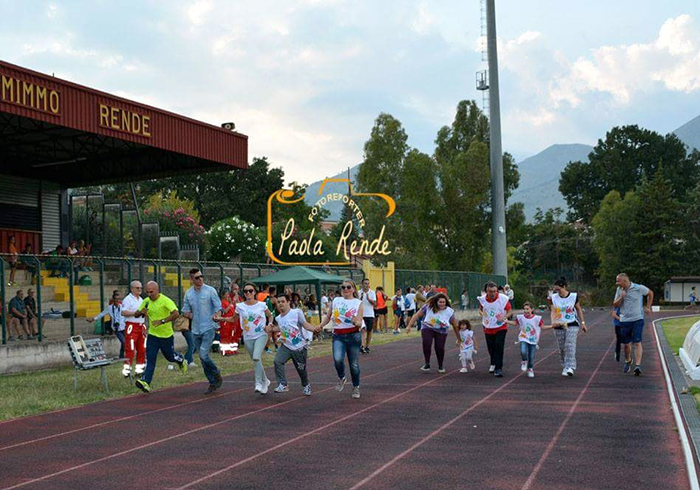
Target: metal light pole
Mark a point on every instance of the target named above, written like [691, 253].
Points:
[498, 211]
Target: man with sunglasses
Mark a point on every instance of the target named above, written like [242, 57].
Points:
[202, 306]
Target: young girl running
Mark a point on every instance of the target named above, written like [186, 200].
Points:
[346, 314]
[531, 327]
[467, 345]
[254, 317]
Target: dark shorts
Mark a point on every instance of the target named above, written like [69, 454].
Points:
[369, 323]
[380, 311]
[398, 313]
[631, 331]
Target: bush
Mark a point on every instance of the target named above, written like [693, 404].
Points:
[233, 238]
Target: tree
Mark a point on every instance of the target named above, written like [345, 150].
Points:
[619, 163]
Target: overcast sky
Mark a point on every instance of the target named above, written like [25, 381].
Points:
[305, 79]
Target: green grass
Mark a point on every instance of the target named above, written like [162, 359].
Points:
[675, 330]
[43, 391]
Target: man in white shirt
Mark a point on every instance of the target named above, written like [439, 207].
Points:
[135, 330]
[369, 301]
[411, 299]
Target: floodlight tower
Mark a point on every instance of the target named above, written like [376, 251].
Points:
[489, 81]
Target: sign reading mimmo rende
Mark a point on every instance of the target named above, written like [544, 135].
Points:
[29, 95]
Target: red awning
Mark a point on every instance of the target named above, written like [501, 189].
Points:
[77, 135]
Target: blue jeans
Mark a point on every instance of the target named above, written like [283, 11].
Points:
[202, 343]
[189, 355]
[347, 343]
[527, 352]
[120, 335]
[166, 346]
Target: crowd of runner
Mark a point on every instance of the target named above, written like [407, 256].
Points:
[265, 319]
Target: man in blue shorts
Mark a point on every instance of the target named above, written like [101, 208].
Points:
[629, 298]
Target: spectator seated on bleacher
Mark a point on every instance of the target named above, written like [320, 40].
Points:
[28, 263]
[18, 318]
[56, 263]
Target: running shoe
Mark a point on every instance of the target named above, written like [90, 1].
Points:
[498, 373]
[563, 372]
[281, 388]
[183, 367]
[356, 392]
[637, 371]
[628, 366]
[523, 366]
[257, 387]
[143, 386]
[219, 381]
[126, 372]
[341, 384]
[306, 391]
[210, 390]
[471, 365]
[267, 351]
[367, 350]
[441, 370]
[265, 386]
[569, 372]
[464, 370]
[492, 368]
[530, 373]
[191, 365]
[425, 368]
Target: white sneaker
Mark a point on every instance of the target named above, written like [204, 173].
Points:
[126, 372]
[281, 388]
[569, 372]
[192, 365]
[306, 391]
[341, 384]
[523, 366]
[257, 387]
[464, 370]
[265, 386]
[492, 368]
[471, 365]
[356, 392]
[530, 373]
[564, 372]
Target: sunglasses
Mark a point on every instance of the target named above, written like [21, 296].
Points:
[249, 290]
[197, 277]
[345, 287]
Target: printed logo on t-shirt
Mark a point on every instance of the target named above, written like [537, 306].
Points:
[342, 315]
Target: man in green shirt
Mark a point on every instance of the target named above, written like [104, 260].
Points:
[161, 311]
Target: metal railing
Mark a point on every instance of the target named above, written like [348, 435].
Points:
[112, 273]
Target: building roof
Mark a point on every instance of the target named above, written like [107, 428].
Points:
[60, 131]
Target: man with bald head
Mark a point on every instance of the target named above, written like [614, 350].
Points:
[161, 311]
[134, 330]
[629, 298]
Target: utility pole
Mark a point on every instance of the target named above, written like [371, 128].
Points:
[498, 211]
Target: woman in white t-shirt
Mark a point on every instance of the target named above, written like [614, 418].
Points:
[254, 317]
[436, 316]
[346, 314]
[567, 321]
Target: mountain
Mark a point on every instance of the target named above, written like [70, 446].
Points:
[539, 177]
[689, 133]
[335, 207]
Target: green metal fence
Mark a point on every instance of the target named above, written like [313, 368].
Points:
[105, 274]
[454, 281]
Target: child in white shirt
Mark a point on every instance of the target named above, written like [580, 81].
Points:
[467, 345]
[531, 326]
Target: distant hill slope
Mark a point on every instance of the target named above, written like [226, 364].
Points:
[689, 133]
[539, 177]
[335, 207]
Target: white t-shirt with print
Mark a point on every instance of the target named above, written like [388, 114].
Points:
[466, 340]
[530, 328]
[367, 307]
[439, 320]
[344, 310]
[411, 297]
[253, 319]
[292, 329]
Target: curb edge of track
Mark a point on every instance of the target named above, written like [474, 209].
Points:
[688, 452]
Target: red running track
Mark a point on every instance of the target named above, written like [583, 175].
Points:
[598, 430]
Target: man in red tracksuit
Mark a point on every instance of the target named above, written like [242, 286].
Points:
[135, 330]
